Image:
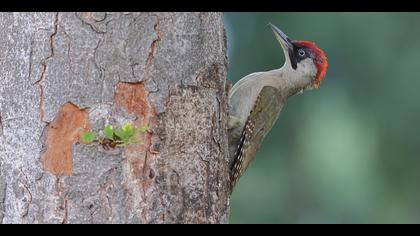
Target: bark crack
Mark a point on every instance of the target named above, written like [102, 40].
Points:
[26, 189]
[31, 50]
[29, 201]
[152, 53]
[66, 212]
[100, 67]
[155, 42]
[144, 177]
[95, 53]
[132, 65]
[108, 201]
[68, 50]
[44, 69]
[61, 194]
[91, 24]
[213, 127]
[206, 185]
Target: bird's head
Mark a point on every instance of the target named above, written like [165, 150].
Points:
[303, 56]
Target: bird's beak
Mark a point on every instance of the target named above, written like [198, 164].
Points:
[285, 42]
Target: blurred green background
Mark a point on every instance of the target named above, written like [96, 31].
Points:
[350, 151]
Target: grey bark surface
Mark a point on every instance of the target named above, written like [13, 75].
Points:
[51, 59]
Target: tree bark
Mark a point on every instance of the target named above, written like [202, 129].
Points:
[65, 73]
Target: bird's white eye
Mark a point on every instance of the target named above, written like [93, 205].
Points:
[301, 52]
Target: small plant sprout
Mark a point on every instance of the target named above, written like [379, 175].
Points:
[88, 137]
[109, 132]
[120, 137]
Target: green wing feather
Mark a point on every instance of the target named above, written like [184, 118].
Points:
[260, 121]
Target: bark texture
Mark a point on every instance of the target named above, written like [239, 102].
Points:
[65, 73]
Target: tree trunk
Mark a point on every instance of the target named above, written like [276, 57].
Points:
[63, 74]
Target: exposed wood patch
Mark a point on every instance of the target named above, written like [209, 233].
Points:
[133, 97]
[70, 123]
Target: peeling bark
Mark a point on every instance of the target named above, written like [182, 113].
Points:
[64, 73]
[70, 124]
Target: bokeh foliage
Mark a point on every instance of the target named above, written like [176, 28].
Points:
[350, 151]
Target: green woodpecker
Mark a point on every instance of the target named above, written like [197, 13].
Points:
[256, 100]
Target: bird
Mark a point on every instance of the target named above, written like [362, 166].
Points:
[257, 99]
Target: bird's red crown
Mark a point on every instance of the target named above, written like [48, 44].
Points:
[321, 61]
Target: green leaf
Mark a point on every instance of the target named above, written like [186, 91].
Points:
[144, 128]
[109, 132]
[120, 134]
[88, 137]
[128, 130]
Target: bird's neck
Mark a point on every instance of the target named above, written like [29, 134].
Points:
[289, 81]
